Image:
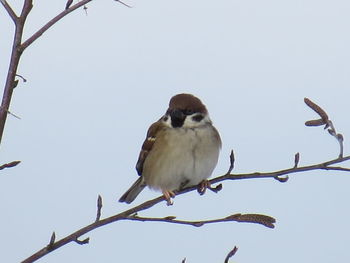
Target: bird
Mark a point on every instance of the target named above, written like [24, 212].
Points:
[181, 149]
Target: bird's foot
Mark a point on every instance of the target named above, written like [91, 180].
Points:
[168, 196]
[202, 187]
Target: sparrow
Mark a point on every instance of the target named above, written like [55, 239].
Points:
[181, 149]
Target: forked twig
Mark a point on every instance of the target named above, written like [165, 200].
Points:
[325, 121]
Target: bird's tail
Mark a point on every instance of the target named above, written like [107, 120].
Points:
[133, 191]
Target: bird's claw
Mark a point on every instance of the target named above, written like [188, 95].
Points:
[202, 187]
[168, 197]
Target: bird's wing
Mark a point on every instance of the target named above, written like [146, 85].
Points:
[148, 144]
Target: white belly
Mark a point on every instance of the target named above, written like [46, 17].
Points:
[184, 157]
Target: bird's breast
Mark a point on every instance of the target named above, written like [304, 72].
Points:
[182, 156]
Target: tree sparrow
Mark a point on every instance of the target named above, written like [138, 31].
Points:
[181, 149]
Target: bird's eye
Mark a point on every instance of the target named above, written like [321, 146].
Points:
[188, 111]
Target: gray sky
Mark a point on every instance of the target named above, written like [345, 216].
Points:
[96, 82]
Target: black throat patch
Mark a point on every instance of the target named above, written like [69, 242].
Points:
[177, 122]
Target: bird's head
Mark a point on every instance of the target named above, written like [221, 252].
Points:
[186, 111]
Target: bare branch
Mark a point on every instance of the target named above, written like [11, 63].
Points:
[27, 7]
[325, 121]
[231, 254]
[16, 53]
[338, 136]
[320, 166]
[337, 168]
[8, 165]
[10, 11]
[53, 21]
[243, 218]
[131, 214]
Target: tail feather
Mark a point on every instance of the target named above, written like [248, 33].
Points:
[133, 191]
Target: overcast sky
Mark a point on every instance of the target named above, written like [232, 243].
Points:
[97, 81]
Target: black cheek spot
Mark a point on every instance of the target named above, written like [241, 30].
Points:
[198, 118]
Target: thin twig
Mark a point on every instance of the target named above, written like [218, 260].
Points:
[12, 114]
[68, 4]
[10, 11]
[52, 240]
[21, 77]
[53, 21]
[325, 121]
[123, 3]
[337, 168]
[8, 165]
[232, 162]
[231, 254]
[296, 160]
[99, 207]
[337, 136]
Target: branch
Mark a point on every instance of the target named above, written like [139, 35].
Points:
[131, 213]
[243, 218]
[53, 21]
[14, 61]
[27, 7]
[10, 11]
[324, 121]
[18, 47]
[276, 174]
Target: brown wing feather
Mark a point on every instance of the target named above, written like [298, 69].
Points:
[148, 144]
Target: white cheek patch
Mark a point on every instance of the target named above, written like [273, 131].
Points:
[167, 121]
[191, 123]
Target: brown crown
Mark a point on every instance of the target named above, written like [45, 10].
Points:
[187, 102]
